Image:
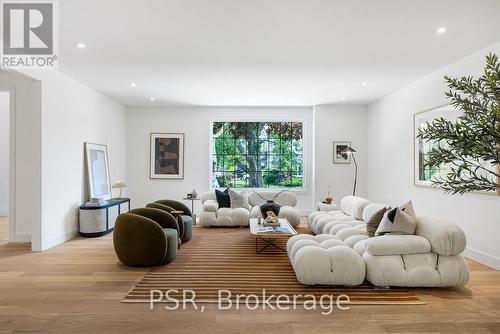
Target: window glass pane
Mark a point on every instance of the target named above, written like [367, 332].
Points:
[257, 154]
[285, 130]
[228, 130]
[218, 163]
[217, 129]
[296, 130]
[240, 146]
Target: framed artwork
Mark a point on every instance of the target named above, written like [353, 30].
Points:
[166, 156]
[424, 175]
[339, 154]
[96, 157]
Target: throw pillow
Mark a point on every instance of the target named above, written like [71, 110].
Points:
[238, 200]
[408, 209]
[223, 198]
[374, 221]
[397, 221]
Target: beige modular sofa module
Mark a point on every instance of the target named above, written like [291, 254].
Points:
[212, 215]
[430, 258]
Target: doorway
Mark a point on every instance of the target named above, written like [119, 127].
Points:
[4, 164]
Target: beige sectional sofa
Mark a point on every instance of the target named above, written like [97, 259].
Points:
[430, 258]
[212, 215]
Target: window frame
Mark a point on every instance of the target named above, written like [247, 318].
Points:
[211, 151]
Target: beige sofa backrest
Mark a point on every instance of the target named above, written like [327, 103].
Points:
[285, 198]
[209, 195]
[354, 206]
[370, 209]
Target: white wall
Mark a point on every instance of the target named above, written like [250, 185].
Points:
[194, 123]
[390, 161]
[71, 115]
[4, 153]
[339, 123]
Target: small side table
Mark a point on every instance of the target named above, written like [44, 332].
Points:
[192, 207]
[325, 207]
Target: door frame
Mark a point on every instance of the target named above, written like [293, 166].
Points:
[11, 89]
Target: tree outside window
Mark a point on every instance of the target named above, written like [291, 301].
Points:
[257, 154]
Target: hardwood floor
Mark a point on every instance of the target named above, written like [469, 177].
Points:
[77, 287]
[4, 228]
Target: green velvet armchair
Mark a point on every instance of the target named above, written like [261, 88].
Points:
[185, 220]
[146, 237]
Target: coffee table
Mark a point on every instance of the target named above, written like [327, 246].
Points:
[270, 238]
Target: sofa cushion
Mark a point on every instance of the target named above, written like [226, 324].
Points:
[238, 200]
[397, 245]
[353, 206]
[373, 222]
[397, 221]
[284, 198]
[210, 205]
[445, 238]
[416, 270]
[223, 198]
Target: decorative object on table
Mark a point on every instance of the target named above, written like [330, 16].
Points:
[166, 156]
[189, 196]
[194, 193]
[329, 197]
[96, 202]
[350, 152]
[458, 151]
[119, 185]
[271, 219]
[96, 157]
[97, 219]
[340, 155]
[325, 207]
[270, 205]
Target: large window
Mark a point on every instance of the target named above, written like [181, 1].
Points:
[257, 154]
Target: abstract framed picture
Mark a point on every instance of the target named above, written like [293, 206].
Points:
[339, 154]
[166, 156]
[96, 157]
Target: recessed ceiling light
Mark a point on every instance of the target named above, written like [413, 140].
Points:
[441, 30]
[132, 84]
[151, 99]
[364, 83]
[342, 98]
[81, 45]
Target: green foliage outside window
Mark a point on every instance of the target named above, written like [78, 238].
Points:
[257, 154]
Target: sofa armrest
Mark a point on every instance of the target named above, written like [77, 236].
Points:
[397, 245]
[210, 205]
[445, 238]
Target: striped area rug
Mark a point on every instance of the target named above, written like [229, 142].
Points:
[225, 258]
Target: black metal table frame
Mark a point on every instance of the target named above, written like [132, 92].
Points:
[269, 242]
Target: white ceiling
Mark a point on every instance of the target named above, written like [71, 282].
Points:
[265, 52]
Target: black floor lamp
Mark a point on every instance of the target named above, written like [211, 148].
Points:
[351, 151]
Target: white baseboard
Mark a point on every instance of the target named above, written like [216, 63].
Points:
[59, 239]
[483, 258]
